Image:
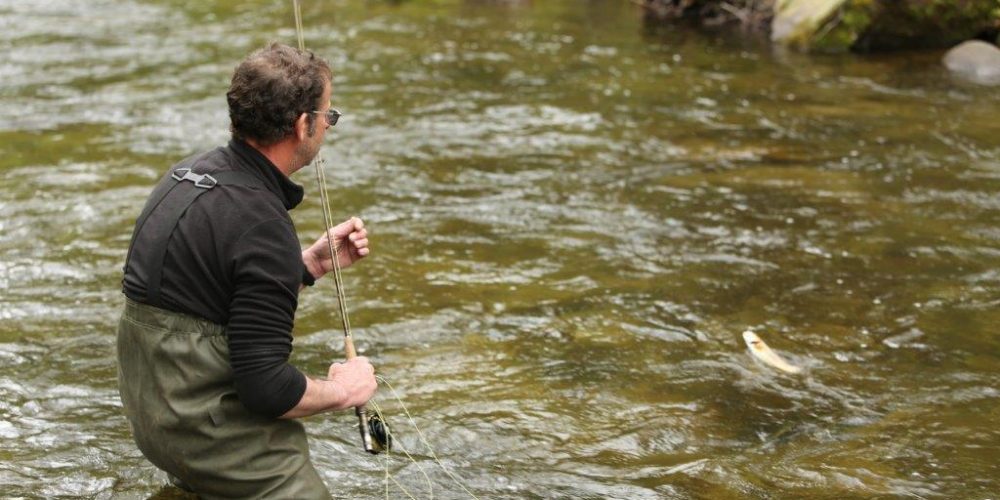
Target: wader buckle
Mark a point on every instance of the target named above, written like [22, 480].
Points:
[203, 181]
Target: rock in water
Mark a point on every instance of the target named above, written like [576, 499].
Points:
[976, 60]
[867, 25]
[797, 21]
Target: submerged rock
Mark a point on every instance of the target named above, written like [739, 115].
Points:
[976, 60]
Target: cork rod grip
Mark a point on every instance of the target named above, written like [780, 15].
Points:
[362, 410]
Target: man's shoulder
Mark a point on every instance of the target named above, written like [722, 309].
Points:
[233, 195]
[218, 170]
[229, 212]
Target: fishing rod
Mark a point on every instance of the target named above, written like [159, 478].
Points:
[375, 433]
[375, 436]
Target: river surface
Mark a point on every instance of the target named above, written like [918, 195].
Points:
[573, 215]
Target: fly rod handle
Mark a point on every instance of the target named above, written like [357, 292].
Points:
[360, 410]
[349, 347]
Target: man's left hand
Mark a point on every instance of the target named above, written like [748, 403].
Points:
[350, 238]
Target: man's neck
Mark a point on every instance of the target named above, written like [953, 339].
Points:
[281, 154]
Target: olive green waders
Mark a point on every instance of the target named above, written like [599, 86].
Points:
[177, 388]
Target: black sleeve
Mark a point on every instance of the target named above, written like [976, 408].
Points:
[307, 277]
[267, 272]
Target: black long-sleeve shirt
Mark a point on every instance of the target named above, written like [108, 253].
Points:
[234, 259]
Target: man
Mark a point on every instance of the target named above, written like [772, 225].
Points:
[211, 282]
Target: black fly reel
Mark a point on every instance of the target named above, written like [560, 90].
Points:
[375, 435]
[379, 430]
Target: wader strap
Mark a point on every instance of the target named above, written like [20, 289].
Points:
[160, 192]
[174, 199]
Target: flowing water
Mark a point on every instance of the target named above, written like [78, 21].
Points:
[574, 215]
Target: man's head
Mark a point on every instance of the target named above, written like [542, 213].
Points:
[270, 92]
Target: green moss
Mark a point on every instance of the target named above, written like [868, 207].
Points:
[933, 22]
[886, 24]
[841, 32]
[863, 25]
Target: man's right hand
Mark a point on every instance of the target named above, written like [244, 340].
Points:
[355, 380]
[349, 384]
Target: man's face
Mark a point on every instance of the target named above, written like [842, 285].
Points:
[309, 148]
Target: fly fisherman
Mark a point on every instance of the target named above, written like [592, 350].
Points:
[211, 283]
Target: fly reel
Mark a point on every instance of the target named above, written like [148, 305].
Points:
[375, 435]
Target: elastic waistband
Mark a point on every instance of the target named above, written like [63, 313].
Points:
[176, 322]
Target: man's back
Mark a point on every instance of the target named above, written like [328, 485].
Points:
[198, 265]
[232, 258]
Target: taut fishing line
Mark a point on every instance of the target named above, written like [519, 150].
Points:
[375, 433]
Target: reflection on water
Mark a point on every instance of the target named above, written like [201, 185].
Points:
[573, 216]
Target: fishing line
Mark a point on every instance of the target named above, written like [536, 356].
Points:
[388, 477]
[423, 439]
[376, 426]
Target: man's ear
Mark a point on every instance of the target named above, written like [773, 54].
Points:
[302, 127]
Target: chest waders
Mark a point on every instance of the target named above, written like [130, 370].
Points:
[176, 383]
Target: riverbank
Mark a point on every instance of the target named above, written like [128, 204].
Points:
[844, 25]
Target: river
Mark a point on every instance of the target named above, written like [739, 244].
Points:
[573, 215]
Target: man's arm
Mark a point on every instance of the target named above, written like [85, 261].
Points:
[261, 316]
[347, 385]
[352, 383]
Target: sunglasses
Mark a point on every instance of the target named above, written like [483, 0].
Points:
[331, 116]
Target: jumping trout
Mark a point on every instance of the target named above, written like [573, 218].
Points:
[761, 351]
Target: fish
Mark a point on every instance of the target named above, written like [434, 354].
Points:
[761, 351]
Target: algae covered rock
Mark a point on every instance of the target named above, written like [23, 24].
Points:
[928, 23]
[840, 25]
[975, 60]
[801, 23]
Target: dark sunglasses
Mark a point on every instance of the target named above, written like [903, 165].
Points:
[331, 116]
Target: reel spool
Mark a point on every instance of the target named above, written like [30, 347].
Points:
[381, 438]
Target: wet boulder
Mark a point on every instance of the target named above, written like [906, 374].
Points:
[976, 60]
[841, 25]
[800, 23]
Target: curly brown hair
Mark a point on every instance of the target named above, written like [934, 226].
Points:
[271, 88]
